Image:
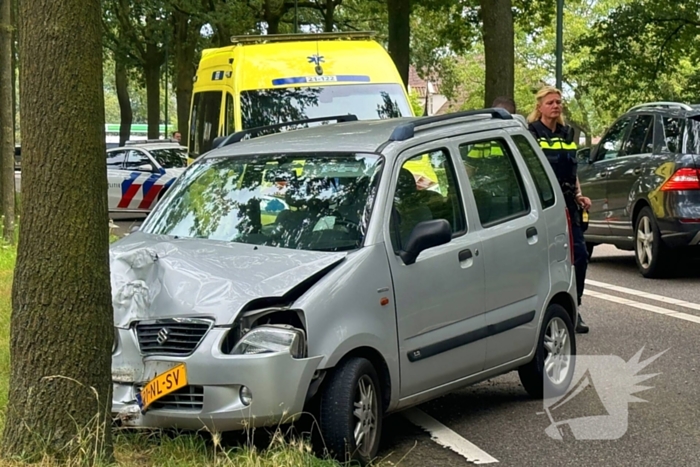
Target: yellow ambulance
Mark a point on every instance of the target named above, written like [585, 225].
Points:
[265, 80]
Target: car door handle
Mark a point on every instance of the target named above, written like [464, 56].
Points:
[465, 255]
[637, 170]
[531, 232]
[603, 174]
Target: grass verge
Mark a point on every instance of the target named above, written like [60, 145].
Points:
[153, 448]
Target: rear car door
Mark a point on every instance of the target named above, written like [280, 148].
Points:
[440, 297]
[624, 173]
[593, 176]
[514, 244]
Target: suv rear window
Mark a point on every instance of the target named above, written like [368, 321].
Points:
[204, 122]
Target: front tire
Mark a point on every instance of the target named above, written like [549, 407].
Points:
[552, 368]
[650, 253]
[351, 411]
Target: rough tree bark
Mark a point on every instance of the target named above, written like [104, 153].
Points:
[151, 71]
[7, 120]
[499, 49]
[400, 35]
[61, 330]
[126, 115]
[186, 30]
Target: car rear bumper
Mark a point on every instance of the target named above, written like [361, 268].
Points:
[677, 233]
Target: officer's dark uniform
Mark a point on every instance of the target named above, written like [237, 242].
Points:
[561, 153]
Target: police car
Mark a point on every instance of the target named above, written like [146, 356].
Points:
[140, 172]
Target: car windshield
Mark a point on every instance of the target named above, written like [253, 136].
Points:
[316, 202]
[366, 101]
[172, 158]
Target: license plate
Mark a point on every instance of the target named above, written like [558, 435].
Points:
[162, 385]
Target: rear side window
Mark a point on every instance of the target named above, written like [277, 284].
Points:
[641, 138]
[539, 175]
[495, 181]
[204, 122]
[673, 134]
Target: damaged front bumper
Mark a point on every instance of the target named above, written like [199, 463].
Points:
[276, 382]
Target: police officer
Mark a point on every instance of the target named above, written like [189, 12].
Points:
[546, 124]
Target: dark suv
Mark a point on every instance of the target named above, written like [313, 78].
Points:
[643, 179]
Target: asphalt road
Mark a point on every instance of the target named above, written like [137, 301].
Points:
[498, 417]
[626, 313]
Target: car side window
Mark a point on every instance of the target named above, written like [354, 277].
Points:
[136, 159]
[673, 132]
[426, 190]
[641, 136]
[115, 159]
[611, 144]
[495, 181]
[539, 175]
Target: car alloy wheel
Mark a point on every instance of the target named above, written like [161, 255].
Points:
[557, 344]
[366, 413]
[645, 243]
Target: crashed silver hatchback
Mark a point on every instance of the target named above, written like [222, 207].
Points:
[362, 266]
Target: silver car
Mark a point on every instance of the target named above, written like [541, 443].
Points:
[360, 267]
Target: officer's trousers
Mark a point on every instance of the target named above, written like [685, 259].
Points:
[580, 252]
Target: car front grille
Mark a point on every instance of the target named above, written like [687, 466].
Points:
[177, 336]
[187, 398]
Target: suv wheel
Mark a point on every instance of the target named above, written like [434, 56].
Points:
[649, 251]
[351, 413]
[554, 361]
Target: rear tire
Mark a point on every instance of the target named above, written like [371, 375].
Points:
[554, 362]
[652, 256]
[351, 411]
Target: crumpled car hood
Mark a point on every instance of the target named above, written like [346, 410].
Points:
[156, 277]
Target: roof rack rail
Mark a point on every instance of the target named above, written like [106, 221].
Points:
[248, 38]
[222, 141]
[407, 130]
[150, 141]
[663, 105]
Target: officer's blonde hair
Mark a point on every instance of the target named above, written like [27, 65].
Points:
[541, 94]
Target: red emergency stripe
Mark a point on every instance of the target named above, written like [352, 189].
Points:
[129, 195]
[150, 196]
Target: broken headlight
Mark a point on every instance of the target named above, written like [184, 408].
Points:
[272, 338]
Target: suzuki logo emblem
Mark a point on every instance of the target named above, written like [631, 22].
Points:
[163, 336]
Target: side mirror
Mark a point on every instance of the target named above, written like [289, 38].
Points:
[134, 228]
[145, 168]
[426, 235]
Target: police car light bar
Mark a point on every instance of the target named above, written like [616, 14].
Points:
[302, 37]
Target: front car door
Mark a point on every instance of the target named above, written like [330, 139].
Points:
[625, 172]
[514, 244]
[440, 297]
[594, 175]
[140, 187]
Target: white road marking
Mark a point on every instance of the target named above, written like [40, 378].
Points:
[448, 438]
[649, 296]
[643, 306]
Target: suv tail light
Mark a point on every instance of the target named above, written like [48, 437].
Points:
[683, 179]
[571, 235]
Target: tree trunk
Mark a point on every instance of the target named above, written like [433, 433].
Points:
[151, 71]
[7, 119]
[329, 16]
[186, 32]
[126, 115]
[61, 330]
[499, 49]
[400, 35]
[274, 10]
